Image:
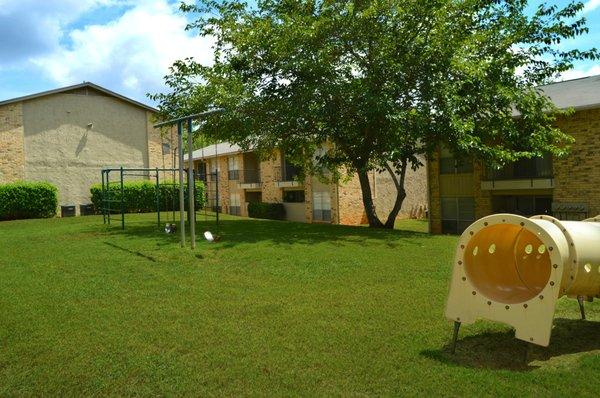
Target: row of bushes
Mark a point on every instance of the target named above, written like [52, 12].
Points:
[140, 196]
[272, 211]
[20, 200]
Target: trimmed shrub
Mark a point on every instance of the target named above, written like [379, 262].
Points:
[20, 200]
[271, 211]
[140, 196]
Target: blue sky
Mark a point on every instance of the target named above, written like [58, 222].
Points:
[127, 45]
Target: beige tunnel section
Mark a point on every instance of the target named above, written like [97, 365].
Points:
[512, 269]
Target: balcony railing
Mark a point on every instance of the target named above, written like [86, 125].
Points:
[249, 176]
[207, 177]
[233, 175]
[286, 173]
[524, 169]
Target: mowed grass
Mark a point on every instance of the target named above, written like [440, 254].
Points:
[273, 309]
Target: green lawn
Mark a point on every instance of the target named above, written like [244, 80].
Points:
[274, 308]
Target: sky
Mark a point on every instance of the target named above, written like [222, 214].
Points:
[128, 45]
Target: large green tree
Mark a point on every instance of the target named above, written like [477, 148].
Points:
[383, 82]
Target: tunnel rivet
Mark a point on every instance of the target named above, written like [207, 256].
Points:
[555, 265]
[462, 246]
[489, 303]
[460, 263]
[541, 297]
[525, 305]
[470, 232]
[474, 292]
[522, 224]
[551, 283]
[507, 307]
[572, 277]
[464, 278]
[531, 339]
[485, 223]
[550, 248]
[503, 220]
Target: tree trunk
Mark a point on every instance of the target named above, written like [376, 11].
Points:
[400, 195]
[367, 199]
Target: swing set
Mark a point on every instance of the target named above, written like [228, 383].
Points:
[116, 205]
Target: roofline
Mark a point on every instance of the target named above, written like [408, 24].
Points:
[568, 80]
[74, 87]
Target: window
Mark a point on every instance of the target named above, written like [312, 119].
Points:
[539, 167]
[457, 214]
[233, 169]
[296, 196]
[524, 205]
[321, 206]
[201, 171]
[166, 148]
[234, 204]
[449, 164]
[213, 165]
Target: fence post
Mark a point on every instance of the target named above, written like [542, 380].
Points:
[102, 199]
[108, 203]
[122, 201]
[157, 199]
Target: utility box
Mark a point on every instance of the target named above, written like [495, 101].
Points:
[87, 210]
[67, 211]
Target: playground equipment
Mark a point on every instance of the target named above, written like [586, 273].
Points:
[112, 205]
[191, 181]
[513, 269]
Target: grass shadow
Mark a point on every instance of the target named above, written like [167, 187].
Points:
[134, 252]
[234, 231]
[502, 351]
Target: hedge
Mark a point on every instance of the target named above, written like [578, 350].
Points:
[272, 211]
[20, 200]
[140, 196]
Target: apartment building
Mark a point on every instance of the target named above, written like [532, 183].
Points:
[240, 177]
[462, 191]
[67, 135]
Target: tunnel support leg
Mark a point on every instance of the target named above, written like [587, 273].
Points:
[454, 337]
[581, 308]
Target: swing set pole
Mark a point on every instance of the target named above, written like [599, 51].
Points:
[181, 181]
[191, 185]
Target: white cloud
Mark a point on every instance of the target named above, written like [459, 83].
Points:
[591, 5]
[580, 72]
[130, 54]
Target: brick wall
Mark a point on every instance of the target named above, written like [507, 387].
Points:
[351, 209]
[483, 199]
[268, 173]
[435, 205]
[577, 175]
[12, 154]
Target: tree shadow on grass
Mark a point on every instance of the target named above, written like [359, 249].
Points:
[246, 231]
[501, 350]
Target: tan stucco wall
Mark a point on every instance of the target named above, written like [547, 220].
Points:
[12, 156]
[61, 147]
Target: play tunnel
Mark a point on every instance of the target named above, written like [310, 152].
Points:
[513, 269]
